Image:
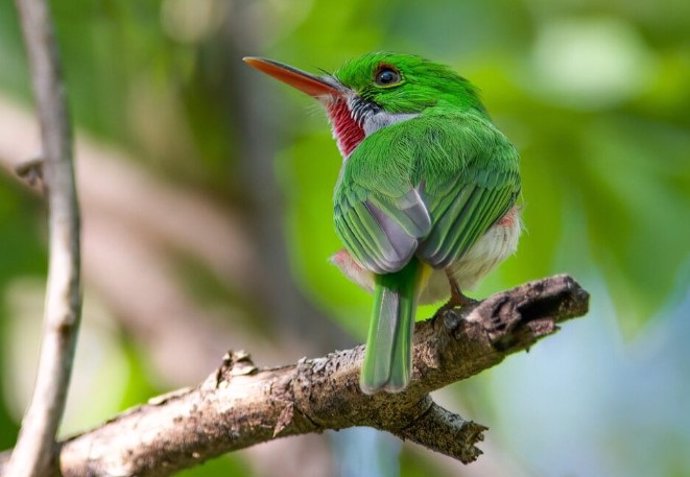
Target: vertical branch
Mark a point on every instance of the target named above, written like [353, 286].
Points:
[33, 454]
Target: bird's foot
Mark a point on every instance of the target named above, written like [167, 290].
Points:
[457, 299]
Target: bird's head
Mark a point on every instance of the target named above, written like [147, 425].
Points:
[376, 90]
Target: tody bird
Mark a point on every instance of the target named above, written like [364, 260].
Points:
[425, 203]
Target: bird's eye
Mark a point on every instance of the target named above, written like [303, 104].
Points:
[387, 76]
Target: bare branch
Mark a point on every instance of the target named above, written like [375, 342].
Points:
[34, 450]
[240, 405]
[443, 431]
[127, 238]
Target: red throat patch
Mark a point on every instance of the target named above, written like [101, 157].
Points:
[345, 129]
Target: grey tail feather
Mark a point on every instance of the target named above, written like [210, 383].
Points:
[388, 356]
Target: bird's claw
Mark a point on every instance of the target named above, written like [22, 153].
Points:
[457, 300]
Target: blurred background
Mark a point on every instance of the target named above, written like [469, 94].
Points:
[206, 193]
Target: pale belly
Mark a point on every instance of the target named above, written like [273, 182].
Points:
[497, 244]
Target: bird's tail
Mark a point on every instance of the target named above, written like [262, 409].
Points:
[388, 355]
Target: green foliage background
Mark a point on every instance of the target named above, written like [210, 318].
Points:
[596, 96]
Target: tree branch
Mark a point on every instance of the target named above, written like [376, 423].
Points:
[123, 204]
[240, 405]
[34, 450]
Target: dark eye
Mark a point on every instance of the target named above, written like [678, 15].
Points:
[387, 76]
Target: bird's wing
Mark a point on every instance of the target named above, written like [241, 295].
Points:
[380, 231]
[379, 213]
[462, 215]
[470, 179]
[429, 186]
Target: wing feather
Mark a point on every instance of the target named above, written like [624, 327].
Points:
[450, 179]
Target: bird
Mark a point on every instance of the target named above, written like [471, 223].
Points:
[427, 201]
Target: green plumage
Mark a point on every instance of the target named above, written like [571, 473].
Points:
[426, 192]
[424, 84]
[420, 190]
[388, 360]
[465, 174]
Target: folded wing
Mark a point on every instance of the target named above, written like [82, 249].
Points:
[429, 186]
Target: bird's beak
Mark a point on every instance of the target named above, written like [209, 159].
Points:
[303, 81]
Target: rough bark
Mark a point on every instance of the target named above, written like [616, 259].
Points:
[129, 241]
[240, 405]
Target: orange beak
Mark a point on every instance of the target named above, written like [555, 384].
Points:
[303, 81]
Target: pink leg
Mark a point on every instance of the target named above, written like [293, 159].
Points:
[457, 298]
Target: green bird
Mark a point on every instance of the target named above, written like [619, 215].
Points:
[426, 199]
